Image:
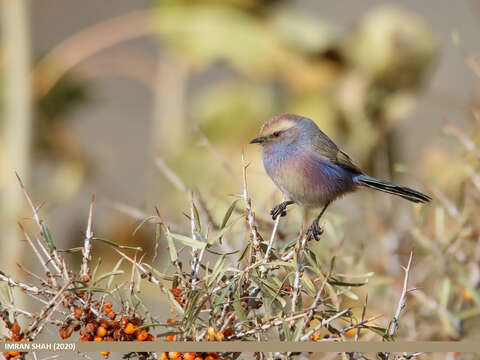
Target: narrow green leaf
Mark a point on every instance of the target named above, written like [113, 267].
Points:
[188, 241]
[308, 284]
[228, 213]
[216, 269]
[298, 329]
[109, 242]
[71, 250]
[94, 289]
[220, 253]
[281, 263]
[347, 293]
[245, 251]
[110, 275]
[223, 294]
[158, 234]
[336, 282]
[223, 230]
[239, 311]
[468, 313]
[445, 292]
[286, 331]
[115, 268]
[157, 273]
[172, 249]
[139, 226]
[48, 237]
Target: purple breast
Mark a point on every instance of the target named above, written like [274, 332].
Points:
[308, 179]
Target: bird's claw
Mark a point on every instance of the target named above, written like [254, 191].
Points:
[315, 230]
[279, 210]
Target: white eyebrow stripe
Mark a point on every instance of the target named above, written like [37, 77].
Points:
[281, 125]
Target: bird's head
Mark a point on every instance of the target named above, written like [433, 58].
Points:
[279, 130]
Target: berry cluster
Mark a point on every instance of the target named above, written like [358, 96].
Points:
[109, 328]
[189, 356]
[17, 335]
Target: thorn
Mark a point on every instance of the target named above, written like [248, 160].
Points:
[19, 180]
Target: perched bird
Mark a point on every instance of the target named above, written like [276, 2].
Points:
[311, 170]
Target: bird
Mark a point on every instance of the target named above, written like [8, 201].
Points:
[310, 169]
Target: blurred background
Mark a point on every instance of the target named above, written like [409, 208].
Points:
[139, 102]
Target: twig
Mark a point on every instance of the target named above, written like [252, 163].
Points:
[248, 207]
[263, 269]
[324, 322]
[197, 254]
[298, 273]
[360, 323]
[45, 314]
[357, 334]
[38, 221]
[466, 141]
[170, 175]
[45, 252]
[39, 256]
[87, 246]
[403, 299]
[314, 305]
[32, 289]
[393, 326]
[267, 325]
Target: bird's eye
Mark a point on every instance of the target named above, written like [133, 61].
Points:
[276, 134]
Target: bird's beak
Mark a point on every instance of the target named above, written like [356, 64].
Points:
[258, 140]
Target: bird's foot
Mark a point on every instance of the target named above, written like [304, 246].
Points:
[279, 210]
[314, 230]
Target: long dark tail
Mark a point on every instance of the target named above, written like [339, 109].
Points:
[388, 187]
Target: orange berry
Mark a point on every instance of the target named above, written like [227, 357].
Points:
[176, 292]
[15, 329]
[219, 336]
[111, 314]
[209, 357]
[105, 353]
[142, 335]
[77, 313]
[86, 278]
[198, 358]
[101, 331]
[316, 336]
[105, 323]
[351, 333]
[211, 334]
[170, 337]
[13, 353]
[97, 338]
[65, 332]
[467, 295]
[172, 320]
[189, 356]
[107, 305]
[174, 355]
[129, 329]
[163, 356]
